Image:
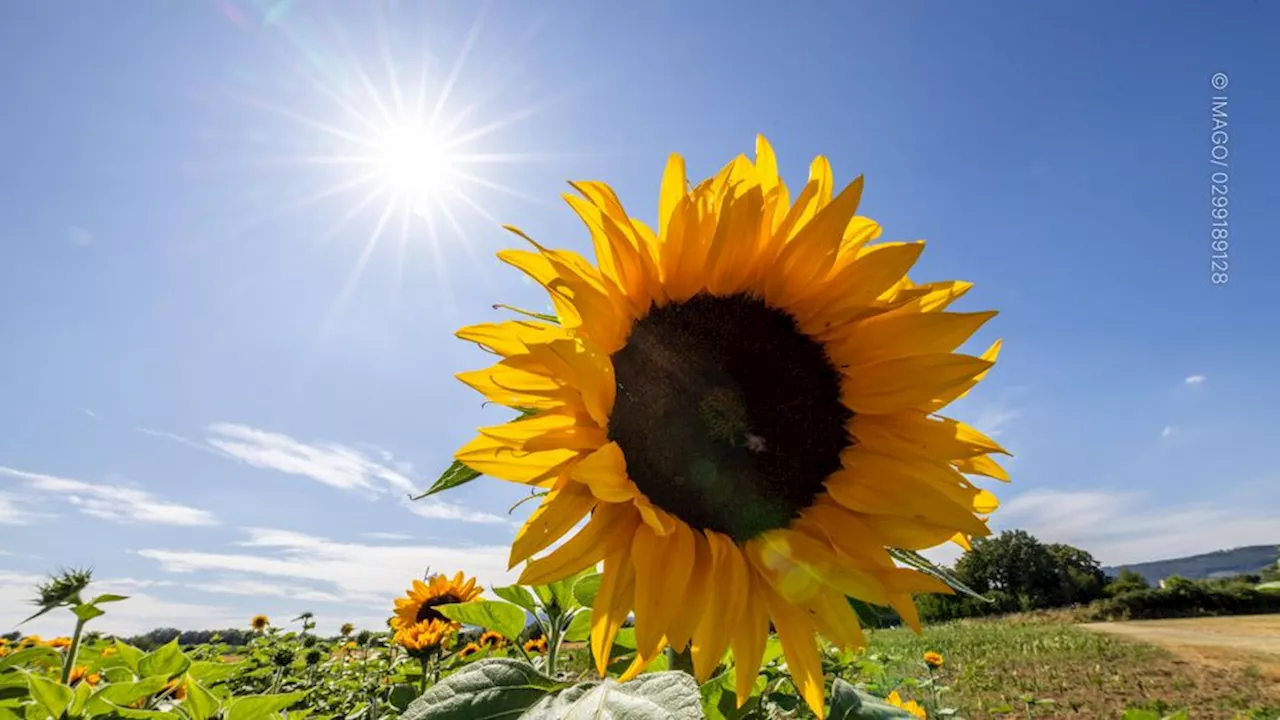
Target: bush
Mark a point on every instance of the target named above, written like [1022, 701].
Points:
[1183, 598]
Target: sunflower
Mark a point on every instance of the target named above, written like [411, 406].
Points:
[259, 623]
[933, 659]
[346, 629]
[424, 637]
[420, 600]
[743, 403]
[536, 645]
[109, 651]
[910, 706]
[491, 639]
[4, 650]
[30, 641]
[176, 689]
[60, 643]
[468, 650]
[77, 674]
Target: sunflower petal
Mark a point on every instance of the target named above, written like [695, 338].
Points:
[855, 288]
[563, 507]
[748, 638]
[613, 602]
[886, 337]
[661, 564]
[917, 433]
[491, 457]
[866, 488]
[982, 465]
[510, 337]
[808, 257]
[609, 525]
[604, 474]
[674, 189]
[550, 430]
[680, 629]
[725, 592]
[582, 366]
[911, 382]
[800, 648]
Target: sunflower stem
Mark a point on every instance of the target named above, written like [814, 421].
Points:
[422, 685]
[681, 660]
[72, 650]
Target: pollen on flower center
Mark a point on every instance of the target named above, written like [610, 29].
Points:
[729, 417]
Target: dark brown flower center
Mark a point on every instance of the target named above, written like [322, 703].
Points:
[428, 611]
[729, 416]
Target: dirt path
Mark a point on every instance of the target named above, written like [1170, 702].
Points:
[1240, 641]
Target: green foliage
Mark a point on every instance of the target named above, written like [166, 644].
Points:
[1126, 581]
[1181, 597]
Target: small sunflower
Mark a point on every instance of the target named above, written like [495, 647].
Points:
[536, 645]
[420, 601]
[425, 636]
[60, 643]
[30, 641]
[4, 650]
[742, 402]
[77, 674]
[259, 623]
[933, 659]
[910, 706]
[175, 689]
[491, 639]
[468, 650]
[346, 629]
[109, 651]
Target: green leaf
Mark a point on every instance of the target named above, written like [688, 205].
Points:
[81, 697]
[626, 639]
[8, 714]
[260, 707]
[107, 597]
[586, 589]
[517, 594]
[529, 313]
[657, 696]
[579, 627]
[209, 672]
[489, 688]
[87, 611]
[129, 654]
[845, 702]
[136, 714]
[124, 694]
[200, 703]
[456, 474]
[501, 617]
[167, 660]
[32, 656]
[401, 695]
[719, 701]
[545, 598]
[915, 560]
[52, 697]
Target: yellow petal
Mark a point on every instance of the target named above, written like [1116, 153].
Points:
[609, 526]
[907, 533]
[640, 662]
[491, 457]
[906, 608]
[562, 508]
[800, 648]
[910, 382]
[748, 638]
[683, 253]
[913, 432]
[836, 619]
[893, 336]
[580, 365]
[846, 532]
[766, 164]
[511, 337]
[680, 628]
[800, 567]
[806, 258]
[674, 188]
[872, 490]
[732, 253]
[958, 391]
[604, 473]
[658, 520]
[613, 602]
[506, 383]
[982, 465]
[820, 172]
[847, 294]
[725, 594]
[662, 564]
[560, 428]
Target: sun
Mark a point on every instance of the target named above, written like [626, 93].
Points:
[414, 159]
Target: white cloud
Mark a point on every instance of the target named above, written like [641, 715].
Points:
[327, 463]
[258, 588]
[1123, 527]
[79, 236]
[1167, 431]
[387, 536]
[14, 510]
[1195, 379]
[117, 503]
[90, 413]
[141, 613]
[353, 572]
[994, 419]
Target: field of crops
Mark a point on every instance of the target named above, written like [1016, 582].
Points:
[494, 663]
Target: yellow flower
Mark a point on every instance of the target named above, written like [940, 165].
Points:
[420, 600]
[31, 640]
[424, 636]
[536, 645]
[742, 403]
[176, 688]
[933, 659]
[491, 639]
[109, 651]
[910, 706]
[93, 679]
[259, 622]
[77, 674]
[469, 650]
[3, 651]
[347, 629]
[60, 643]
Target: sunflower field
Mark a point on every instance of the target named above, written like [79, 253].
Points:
[731, 427]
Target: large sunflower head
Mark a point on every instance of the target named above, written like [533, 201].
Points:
[424, 637]
[419, 603]
[744, 401]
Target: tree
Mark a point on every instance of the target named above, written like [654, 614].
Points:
[1080, 576]
[1126, 581]
[1014, 568]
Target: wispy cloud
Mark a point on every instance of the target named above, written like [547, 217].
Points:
[80, 237]
[1167, 431]
[15, 510]
[259, 588]
[993, 420]
[386, 536]
[328, 463]
[1195, 379]
[1125, 527]
[90, 413]
[117, 503]
[348, 571]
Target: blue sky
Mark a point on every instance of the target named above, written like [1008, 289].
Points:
[227, 353]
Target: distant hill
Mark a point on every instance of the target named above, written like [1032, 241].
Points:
[1220, 563]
